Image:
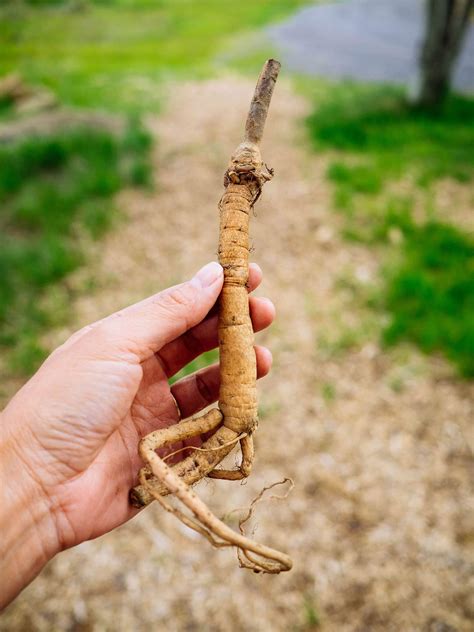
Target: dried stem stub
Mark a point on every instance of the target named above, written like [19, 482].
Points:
[260, 103]
[235, 419]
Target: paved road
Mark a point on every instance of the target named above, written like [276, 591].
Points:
[370, 40]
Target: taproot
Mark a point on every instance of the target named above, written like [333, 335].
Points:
[236, 417]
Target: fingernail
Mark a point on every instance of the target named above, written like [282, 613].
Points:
[209, 274]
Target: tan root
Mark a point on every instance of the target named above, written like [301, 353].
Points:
[236, 417]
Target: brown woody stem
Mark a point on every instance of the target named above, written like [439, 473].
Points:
[261, 101]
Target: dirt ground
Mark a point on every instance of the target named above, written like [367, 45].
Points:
[381, 521]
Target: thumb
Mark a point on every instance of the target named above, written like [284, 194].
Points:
[142, 329]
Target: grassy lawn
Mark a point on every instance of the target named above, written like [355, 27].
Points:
[389, 138]
[430, 293]
[116, 53]
[377, 141]
[53, 190]
[108, 54]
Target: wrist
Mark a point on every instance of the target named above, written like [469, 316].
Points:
[28, 531]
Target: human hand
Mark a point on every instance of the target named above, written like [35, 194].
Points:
[68, 439]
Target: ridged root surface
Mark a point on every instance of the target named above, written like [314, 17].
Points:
[235, 419]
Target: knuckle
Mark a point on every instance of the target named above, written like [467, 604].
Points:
[178, 297]
[107, 333]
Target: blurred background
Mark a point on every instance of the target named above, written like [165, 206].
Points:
[117, 118]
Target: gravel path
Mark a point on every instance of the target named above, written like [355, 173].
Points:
[370, 40]
[380, 523]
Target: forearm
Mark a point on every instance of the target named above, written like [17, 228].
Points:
[27, 532]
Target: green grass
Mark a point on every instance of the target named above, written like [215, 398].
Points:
[430, 294]
[109, 54]
[378, 221]
[205, 359]
[428, 286]
[328, 391]
[52, 191]
[355, 178]
[386, 137]
[312, 618]
[116, 54]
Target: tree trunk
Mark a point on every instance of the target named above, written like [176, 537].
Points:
[446, 25]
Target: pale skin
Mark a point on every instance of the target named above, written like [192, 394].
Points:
[68, 439]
